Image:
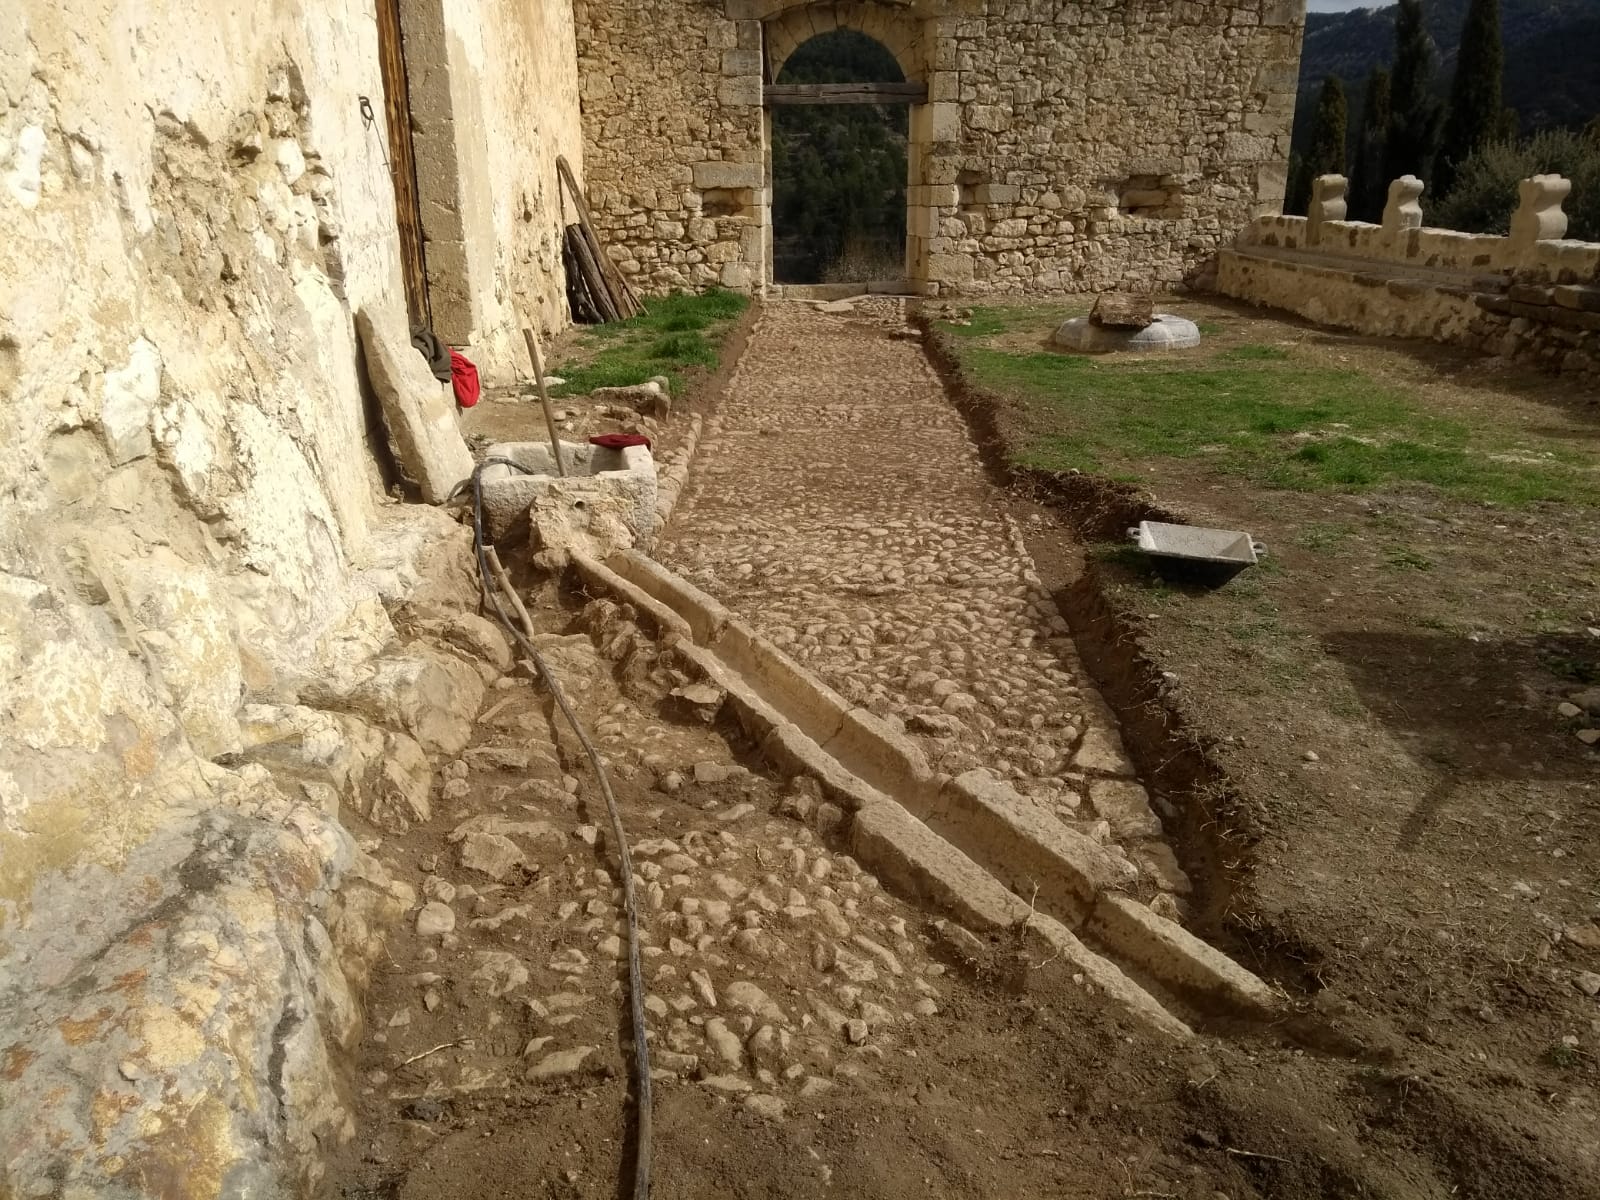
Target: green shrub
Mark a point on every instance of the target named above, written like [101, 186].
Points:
[1485, 192]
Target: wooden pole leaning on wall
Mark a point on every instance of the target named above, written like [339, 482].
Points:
[623, 298]
[594, 281]
[544, 398]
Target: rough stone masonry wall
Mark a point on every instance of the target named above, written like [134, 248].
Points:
[199, 665]
[672, 144]
[1532, 296]
[1108, 143]
[1064, 146]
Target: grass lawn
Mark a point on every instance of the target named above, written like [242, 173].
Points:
[675, 334]
[1263, 413]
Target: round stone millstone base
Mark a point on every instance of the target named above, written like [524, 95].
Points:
[1166, 332]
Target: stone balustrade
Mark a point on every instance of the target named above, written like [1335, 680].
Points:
[1531, 294]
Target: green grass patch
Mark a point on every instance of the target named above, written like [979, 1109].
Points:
[1254, 354]
[674, 334]
[984, 322]
[1252, 412]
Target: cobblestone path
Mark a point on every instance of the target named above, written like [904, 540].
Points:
[839, 505]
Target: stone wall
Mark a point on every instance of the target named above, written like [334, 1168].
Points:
[1531, 296]
[201, 674]
[1063, 147]
[494, 95]
[672, 131]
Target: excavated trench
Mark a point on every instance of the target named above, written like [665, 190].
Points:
[1210, 824]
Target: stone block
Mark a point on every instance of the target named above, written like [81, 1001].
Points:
[737, 276]
[1403, 211]
[1123, 310]
[1585, 299]
[741, 92]
[742, 62]
[944, 122]
[420, 419]
[625, 479]
[996, 193]
[1525, 293]
[728, 175]
[1282, 12]
[950, 268]
[1248, 147]
[127, 397]
[1327, 204]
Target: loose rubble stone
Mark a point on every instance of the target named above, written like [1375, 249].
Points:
[490, 854]
[724, 1042]
[562, 1062]
[435, 919]
[766, 1106]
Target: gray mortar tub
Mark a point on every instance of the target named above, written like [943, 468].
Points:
[1195, 553]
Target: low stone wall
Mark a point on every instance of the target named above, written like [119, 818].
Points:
[1531, 296]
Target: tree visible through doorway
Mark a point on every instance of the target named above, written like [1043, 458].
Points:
[839, 171]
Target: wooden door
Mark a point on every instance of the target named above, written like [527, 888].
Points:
[402, 160]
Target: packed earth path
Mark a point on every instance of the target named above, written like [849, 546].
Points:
[840, 506]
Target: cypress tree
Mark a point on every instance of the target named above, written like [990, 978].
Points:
[1414, 113]
[1329, 130]
[1474, 111]
[1368, 186]
[1325, 153]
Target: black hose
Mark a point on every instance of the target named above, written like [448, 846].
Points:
[641, 1047]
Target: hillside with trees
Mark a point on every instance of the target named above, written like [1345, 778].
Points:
[1442, 106]
[1551, 48]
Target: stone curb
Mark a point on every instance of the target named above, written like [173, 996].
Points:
[913, 860]
[674, 477]
[930, 834]
[1180, 959]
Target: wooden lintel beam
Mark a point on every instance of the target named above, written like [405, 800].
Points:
[845, 93]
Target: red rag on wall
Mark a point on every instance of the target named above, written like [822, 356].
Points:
[464, 378]
[619, 441]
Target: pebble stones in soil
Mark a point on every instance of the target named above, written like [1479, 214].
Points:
[785, 966]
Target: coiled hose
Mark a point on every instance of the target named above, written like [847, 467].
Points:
[493, 582]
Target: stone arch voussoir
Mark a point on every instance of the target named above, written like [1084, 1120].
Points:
[893, 25]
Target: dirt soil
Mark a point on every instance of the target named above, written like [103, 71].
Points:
[1366, 744]
[1432, 984]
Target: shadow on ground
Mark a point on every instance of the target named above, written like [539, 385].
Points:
[1471, 710]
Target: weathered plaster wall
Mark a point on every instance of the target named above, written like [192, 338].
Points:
[494, 102]
[1064, 146]
[200, 672]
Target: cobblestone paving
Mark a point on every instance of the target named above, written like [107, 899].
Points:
[839, 505]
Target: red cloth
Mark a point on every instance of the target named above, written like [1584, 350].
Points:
[464, 378]
[616, 441]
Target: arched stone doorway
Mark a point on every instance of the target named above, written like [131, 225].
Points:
[898, 35]
[838, 170]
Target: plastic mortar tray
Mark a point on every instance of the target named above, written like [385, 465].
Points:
[1193, 552]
